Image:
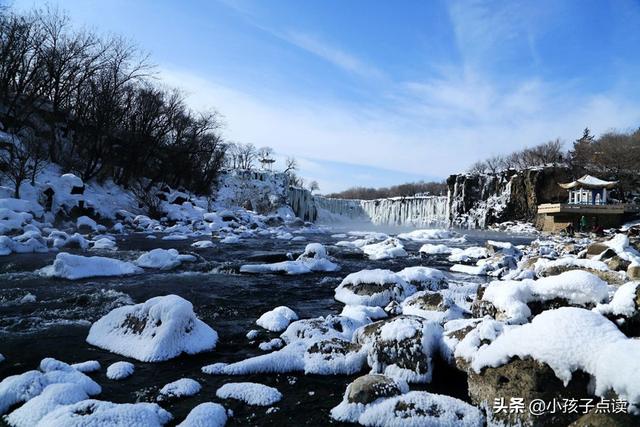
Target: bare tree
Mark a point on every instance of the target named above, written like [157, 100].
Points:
[291, 165]
[21, 158]
[314, 186]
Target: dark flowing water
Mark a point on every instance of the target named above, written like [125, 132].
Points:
[57, 324]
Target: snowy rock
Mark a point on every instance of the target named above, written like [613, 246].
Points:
[334, 357]
[104, 244]
[74, 267]
[420, 408]
[120, 370]
[513, 299]
[162, 259]
[402, 347]
[52, 397]
[624, 308]
[569, 340]
[206, 414]
[99, 413]
[270, 345]
[277, 319]
[468, 255]
[428, 235]
[390, 248]
[431, 249]
[432, 306]
[203, 244]
[365, 391]
[314, 258]
[250, 393]
[373, 288]
[159, 329]
[424, 278]
[23, 387]
[84, 223]
[86, 367]
[181, 388]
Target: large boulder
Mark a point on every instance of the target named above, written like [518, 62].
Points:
[402, 347]
[528, 380]
[373, 288]
[159, 329]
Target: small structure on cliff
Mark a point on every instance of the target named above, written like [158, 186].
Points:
[588, 202]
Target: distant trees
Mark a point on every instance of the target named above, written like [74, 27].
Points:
[614, 155]
[402, 190]
[89, 103]
[542, 154]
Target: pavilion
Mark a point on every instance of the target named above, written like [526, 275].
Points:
[588, 197]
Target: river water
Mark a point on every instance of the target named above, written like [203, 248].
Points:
[56, 324]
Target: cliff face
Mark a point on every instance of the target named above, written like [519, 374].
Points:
[481, 200]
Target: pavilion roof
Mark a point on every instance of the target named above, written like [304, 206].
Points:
[588, 181]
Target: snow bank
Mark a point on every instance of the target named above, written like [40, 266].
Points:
[163, 259]
[120, 370]
[250, 393]
[159, 329]
[74, 267]
[277, 319]
[206, 414]
[88, 366]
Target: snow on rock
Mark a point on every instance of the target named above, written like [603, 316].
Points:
[202, 244]
[314, 258]
[206, 414]
[277, 319]
[623, 302]
[420, 408]
[576, 287]
[363, 313]
[373, 288]
[334, 357]
[428, 235]
[250, 393]
[84, 222]
[23, 387]
[162, 259]
[88, 366]
[483, 333]
[431, 249]
[74, 267]
[390, 248]
[569, 339]
[401, 347]
[470, 254]
[230, 238]
[473, 270]
[104, 244]
[432, 306]
[180, 388]
[60, 239]
[100, 413]
[159, 329]
[52, 397]
[364, 392]
[299, 336]
[120, 370]
[424, 277]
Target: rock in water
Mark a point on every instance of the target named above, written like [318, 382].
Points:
[159, 329]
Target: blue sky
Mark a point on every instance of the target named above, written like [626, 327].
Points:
[377, 93]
